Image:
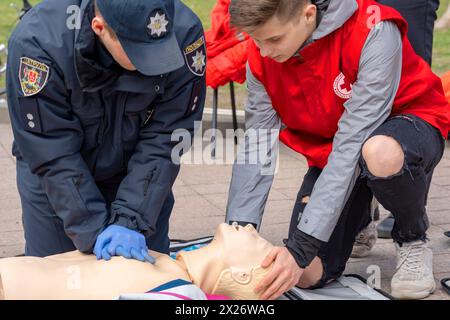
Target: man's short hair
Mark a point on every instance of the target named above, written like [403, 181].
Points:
[248, 14]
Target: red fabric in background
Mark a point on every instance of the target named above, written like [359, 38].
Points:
[226, 49]
[446, 84]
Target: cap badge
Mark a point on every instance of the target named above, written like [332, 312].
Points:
[158, 25]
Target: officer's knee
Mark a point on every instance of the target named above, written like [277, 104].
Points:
[383, 155]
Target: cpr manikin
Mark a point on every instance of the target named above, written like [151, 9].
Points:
[229, 266]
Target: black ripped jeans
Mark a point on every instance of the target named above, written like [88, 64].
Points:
[404, 194]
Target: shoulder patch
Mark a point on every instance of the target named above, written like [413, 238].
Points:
[33, 76]
[195, 55]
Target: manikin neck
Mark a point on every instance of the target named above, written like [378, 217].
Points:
[203, 265]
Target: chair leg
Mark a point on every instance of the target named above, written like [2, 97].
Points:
[233, 109]
[214, 122]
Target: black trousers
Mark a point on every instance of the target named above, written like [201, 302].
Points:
[404, 194]
[420, 15]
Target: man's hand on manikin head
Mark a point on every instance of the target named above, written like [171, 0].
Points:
[284, 275]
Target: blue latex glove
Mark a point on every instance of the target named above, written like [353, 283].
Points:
[120, 241]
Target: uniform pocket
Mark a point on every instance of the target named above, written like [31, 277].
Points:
[74, 184]
[146, 189]
[91, 117]
[138, 103]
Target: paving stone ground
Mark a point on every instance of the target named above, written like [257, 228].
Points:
[201, 195]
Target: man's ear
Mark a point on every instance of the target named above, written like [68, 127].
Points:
[310, 13]
[98, 26]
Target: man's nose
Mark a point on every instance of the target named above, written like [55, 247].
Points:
[265, 51]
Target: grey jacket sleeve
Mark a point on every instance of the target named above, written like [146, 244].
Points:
[254, 168]
[372, 98]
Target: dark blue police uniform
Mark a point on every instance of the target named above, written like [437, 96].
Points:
[92, 140]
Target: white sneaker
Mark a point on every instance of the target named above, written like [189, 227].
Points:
[413, 278]
[365, 241]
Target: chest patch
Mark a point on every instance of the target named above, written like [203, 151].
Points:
[33, 76]
[342, 87]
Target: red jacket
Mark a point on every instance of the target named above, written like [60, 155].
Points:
[226, 49]
[308, 92]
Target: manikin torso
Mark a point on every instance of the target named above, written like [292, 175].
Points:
[74, 275]
[228, 266]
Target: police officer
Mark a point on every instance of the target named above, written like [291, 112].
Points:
[93, 102]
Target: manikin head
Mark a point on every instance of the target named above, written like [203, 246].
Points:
[278, 27]
[230, 265]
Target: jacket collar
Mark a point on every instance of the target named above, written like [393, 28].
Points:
[94, 66]
[332, 14]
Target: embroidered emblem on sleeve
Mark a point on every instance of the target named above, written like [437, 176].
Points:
[195, 55]
[33, 76]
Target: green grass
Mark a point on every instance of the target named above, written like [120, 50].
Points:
[441, 47]
[202, 8]
[8, 18]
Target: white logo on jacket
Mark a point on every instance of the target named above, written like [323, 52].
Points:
[342, 88]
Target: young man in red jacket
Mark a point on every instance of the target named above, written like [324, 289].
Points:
[369, 116]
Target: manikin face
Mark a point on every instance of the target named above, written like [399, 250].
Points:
[111, 43]
[243, 251]
[280, 40]
[241, 246]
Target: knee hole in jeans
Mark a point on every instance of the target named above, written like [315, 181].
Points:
[383, 155]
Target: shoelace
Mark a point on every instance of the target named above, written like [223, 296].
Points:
[411, 258]
[361, 238]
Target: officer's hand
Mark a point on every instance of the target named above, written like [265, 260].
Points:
[283, 276]
[121, 241]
